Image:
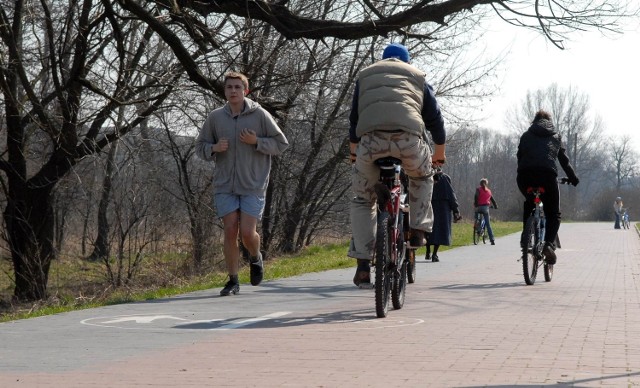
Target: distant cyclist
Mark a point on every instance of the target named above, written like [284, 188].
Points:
[393, 106]
[482, 201]
[540, 146]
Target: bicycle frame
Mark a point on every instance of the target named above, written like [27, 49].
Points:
[480, 223]
[390, 259]
[538, 216]
[479, 231]
[390, 199]
[532, 240]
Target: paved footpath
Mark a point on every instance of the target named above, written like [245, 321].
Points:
[468, 321]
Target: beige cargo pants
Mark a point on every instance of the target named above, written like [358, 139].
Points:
[415, 155]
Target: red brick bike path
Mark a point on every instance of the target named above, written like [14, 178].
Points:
[468, 321]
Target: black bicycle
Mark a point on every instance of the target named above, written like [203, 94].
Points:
[394, 261]
[532, 240]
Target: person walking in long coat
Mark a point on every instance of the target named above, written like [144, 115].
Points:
[445, 210]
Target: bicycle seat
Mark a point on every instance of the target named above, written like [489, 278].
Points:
[534, 189]
[387, 161]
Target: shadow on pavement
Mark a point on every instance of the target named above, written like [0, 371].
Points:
[480, 286]
[573, 383]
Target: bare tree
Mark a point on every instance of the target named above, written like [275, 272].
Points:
[66, 67]
[554, 18]
[59, 93]
[623, 160]
[101, 246]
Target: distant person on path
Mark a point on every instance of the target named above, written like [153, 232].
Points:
[392, 108]
[445, 209]
[241, 137]
[539, 148]
[617, 208]
[482, 201]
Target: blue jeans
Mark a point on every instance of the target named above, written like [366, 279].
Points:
[484, 210]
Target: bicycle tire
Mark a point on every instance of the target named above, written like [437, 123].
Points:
[399, 285]
[411, 265]
[399, 289]
[383, 278]
[409, 254]
[529, 241]
[475, 234]
[548, 272]
[484, 235]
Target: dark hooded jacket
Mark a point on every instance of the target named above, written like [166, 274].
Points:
[540, 146]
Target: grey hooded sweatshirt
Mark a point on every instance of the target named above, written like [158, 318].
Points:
[242, 169]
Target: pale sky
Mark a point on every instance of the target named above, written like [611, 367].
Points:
[605, 68]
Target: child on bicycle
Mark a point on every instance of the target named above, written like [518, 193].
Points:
[482, 201]
[539, 148]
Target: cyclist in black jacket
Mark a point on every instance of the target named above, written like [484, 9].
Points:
[540, 146]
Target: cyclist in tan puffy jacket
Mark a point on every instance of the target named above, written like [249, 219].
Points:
[393, 108]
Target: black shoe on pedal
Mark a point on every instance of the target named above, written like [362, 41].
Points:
[362, 278]
[549, 253]
[231, 288]
[418, 238]
[256, 269]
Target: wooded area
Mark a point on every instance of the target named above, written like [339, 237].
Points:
[102, 100]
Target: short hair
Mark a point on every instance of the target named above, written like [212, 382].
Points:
[236, 75]
[542, 114]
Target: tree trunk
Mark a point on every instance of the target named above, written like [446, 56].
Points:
[197, 238]
[30, 228]
[101, 245]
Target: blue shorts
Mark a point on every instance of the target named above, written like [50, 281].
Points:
[252, 205]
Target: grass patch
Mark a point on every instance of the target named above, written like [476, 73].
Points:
[76, 284]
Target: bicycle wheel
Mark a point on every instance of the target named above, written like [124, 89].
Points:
[484, 234]
[383, 278]
[476, 236]
[399, 289]
[409, 254]
[410, 257]
[548, 272]
[399, 286]
[528, 243]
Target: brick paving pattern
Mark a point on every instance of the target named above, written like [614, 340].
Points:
[468, 321]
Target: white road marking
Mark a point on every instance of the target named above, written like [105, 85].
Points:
[250, 321]
[143, 319]
[146, 320]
